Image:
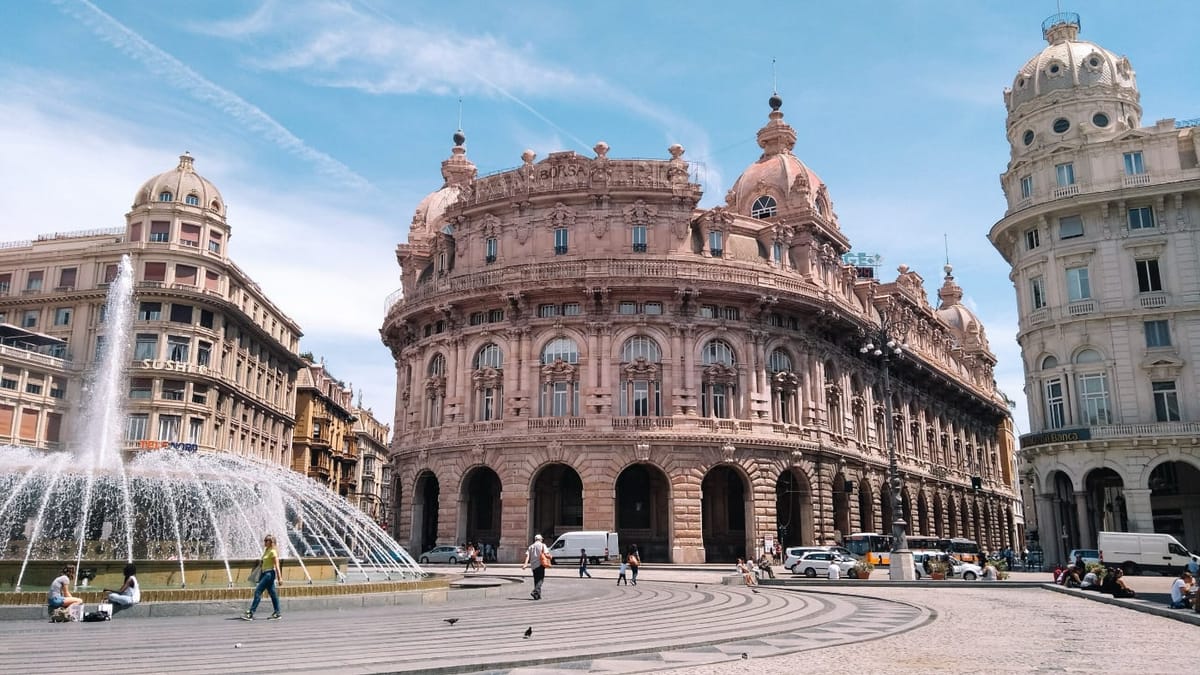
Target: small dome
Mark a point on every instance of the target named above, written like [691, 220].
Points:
[181, 185]
[966, 326]
[428, 216]
[1069, 63]
[778, 182]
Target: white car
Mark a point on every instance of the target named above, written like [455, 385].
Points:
[958, 568]
[816, 563]
[443, 554]
[794, 553]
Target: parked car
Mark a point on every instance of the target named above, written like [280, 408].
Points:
[957, 568]
[330, 549]
[793, 553]
[443, 554]
[816, 563]
[1136, 552]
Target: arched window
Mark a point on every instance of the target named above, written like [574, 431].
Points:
[1094, 406]
[165, 196]
[192, 200]
[560, 379]
[1049, 362]
[640, 394]
[488, 380]
[779, 362]
[784, 386]
[719, 380]
[435, 390]
[437, 366]
[764, 207]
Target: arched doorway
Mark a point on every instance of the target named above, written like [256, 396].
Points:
[964, 525]
[841, 507]
[723, 514]
[987, 536]
[479, 517]
[939, 528]
[1066, 526]
[793, 508]
[922, 525]
[1175, 501]
[425, 513]
[393, 518]
[643, 511]
[906, 510]
[885, 509]
[952, 516]
[976, 531]
[1106, 501]
[556, 502]
[866, 507]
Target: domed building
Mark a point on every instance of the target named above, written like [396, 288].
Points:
[214, 360]
[1101, 234]
[579, 346]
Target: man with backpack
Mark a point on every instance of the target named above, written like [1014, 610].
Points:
[537, 557]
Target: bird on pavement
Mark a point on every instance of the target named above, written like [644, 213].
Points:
[528, 632]
[745, 655]
[451, 621]
[696, 585]
[754, 590]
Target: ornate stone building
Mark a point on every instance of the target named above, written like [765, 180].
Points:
[325, 447]
[214, 359]
[578, 346]
[371, 440]
[1101, 232]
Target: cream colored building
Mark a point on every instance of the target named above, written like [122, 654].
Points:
[579, 346]
[1102, 235]
[372, 438]
[214, 360]
[325, 447]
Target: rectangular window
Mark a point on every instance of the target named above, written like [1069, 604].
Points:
[490, 247]
[639, 238]
[1070, 227]
[195, 430]
[185, 275]
[627, 308]
[547, 311]
[181, 313]
[1037, 291]
[150, 311]
[8, 383]
[1149, 280]
[172, 390]
[33, 387]
[560, 241]
[1133, 164]
[5, 283]
[200, 394]
[1158, 333]
[571, 309]
[214, 242]
[139, 388]
[145, 346]
[29, 319]
[654, 308]
[110, 273]
[1093, 399]
[708, 312]
[135, 430]
[99, 347]
[560, 399]
[178, 347]
[203, 353]
[206, 318]
[62, 316]
[66, 279]
[731, 313]
[1033, 239]
[1141, 218]
[1065, 174]
[189, 235]
[1026, 187]
[168, 427]
[476, 318]
[155, 271]
[33, 282]
[715, 244]
[212, 281]
[1078, 286]
[777, 253]
[1166, 402]
[160, 231]
[495, 315]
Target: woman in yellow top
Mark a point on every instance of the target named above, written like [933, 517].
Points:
[268, 578]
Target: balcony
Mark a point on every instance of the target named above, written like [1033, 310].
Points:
[560, 250]
[1152, 300]
[1066, 191]
[555, 423]
[1150, 431]
[1081, 307]
[1039, 316]
[639, 248]
[627, 423]
[1136, 180]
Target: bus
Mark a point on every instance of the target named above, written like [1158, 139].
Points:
[874, 548]
[966, 550]
[922, 542]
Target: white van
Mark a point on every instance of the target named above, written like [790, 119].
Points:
[1135, 552]
[601, 546]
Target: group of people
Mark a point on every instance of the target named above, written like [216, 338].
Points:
[476, 557]
[1184, 593]
[537, 559]
[1097, 578]
[59, 596]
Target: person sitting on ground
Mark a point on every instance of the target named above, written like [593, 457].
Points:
[1181, 591]
[747, 573]
[1091, 581]
[130, 592]
[1114, 584]
[990, 573]
[1059, 576]
[1071, 577]
[60, 590]
[764, 564]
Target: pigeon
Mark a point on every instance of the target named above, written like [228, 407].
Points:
[451, 621]
[528, 632]
[745, 655]
[696, 586]
[754, 590]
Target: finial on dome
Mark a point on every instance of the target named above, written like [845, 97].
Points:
[528, 156]
[948, 269]
[185, 161]
[459, 138]
[776, 101]
[601, 150]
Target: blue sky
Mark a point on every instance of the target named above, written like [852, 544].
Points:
[324, 123]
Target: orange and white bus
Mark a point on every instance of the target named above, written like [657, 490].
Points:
[874, 548]
[966, 550]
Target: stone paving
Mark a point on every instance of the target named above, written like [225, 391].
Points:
[675, 620]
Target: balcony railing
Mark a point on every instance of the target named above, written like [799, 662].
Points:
[1109, 432]
[622, 423]
[1066, 191]
[1136, 180]
[556, 423]
[1039, 316]
[1081, 307]
[1152, 300]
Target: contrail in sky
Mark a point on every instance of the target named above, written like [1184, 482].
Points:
[180, 75]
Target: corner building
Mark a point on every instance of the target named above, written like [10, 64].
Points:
[214, 360]
[1101, 234]
[578, 346]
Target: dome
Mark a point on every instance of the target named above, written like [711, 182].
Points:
[962, 321]
[457, 171]
[181, 185]
[1068, 63]
[778, 182]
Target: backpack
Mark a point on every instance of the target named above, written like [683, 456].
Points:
[60, 615]
[96, 616]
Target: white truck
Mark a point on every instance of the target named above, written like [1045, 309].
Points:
[601, 547]
[1135, 552]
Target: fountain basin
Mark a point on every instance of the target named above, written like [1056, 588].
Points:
[165, 574]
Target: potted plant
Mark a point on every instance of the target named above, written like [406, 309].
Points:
[938, 569]
[861, 570]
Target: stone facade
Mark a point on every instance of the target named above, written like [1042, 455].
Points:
[1102, 235]
[325, 447]
[371, 438]
[214, 359]
[579, 346]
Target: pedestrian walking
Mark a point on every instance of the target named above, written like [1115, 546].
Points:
[538, 559]
[635, 561]
[268, 578]
[583, 570]
[621, 573]
[470, 557]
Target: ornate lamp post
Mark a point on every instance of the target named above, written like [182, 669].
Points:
[886, 342]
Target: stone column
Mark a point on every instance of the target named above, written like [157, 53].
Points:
[1137, 508]
[514, 526]
[1085, 523]
[687, 541]
[1048, 530]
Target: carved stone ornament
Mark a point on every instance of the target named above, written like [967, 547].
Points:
[640, 213]
[680, 226]
[599, 220]
[858, 404]
[561, 216]
[641, 369]
[833, 390]
[435, 385]
[785, 381]
[559, 371]
[719, 373]
[490, 227]
[487, 378]
[796, 457]
[642, 452]
[477, 448]
[727, 452]
[523, 230]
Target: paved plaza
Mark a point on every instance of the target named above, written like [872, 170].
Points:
[673, 621]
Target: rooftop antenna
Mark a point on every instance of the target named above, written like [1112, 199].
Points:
[946, 242]
[774, 78]
[460, 113]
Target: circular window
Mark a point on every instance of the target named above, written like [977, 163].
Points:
[1094, 62]
[1028, 137]
[1021, 83]
[1061, 125]
[1100, 120]
[1054, 69]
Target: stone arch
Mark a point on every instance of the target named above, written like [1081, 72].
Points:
[964, 517]
[480, 509]
[976, 524]
[887, 511]
[642, 494]
[952, 517]
[987, 536]
[621, 335]
[793, 508]
[1175, 500]
[1052, 473]
[1105, 489]
[425, 508]
[479, 341]
[939, 528]
[841, 489]
[906, 509]
[1173, 455]
[555, 500]
[866, 506]
[724, 501]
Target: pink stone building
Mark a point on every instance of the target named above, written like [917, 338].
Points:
[579, 346]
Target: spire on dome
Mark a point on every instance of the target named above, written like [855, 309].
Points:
[185, 162]
[950, 293]
[777, 137]
[458, 169]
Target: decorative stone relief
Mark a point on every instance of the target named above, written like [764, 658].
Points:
[728, 452]
[642, 452]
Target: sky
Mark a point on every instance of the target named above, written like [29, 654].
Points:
[324, 123]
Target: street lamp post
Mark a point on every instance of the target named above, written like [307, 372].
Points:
[886, 343]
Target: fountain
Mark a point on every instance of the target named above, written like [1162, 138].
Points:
[186, 518]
